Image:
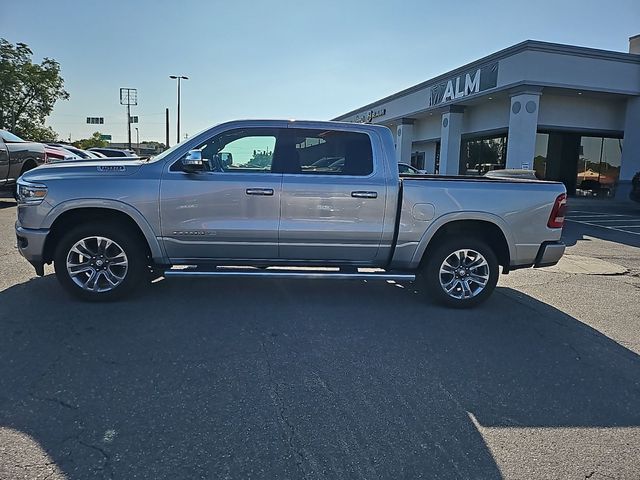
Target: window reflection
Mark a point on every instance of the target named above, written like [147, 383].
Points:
[587, 165]
[481, 155]
[598, 166]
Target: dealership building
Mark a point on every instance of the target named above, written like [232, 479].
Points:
[570, 113]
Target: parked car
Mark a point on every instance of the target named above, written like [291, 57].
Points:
[78, 152]
[406, 169]
[17, 156]
[186, 213]
[512, 173]
[635, 188]
[57, 154]
[113, 152]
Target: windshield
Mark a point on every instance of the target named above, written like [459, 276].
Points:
[174, 148]
[10, 137]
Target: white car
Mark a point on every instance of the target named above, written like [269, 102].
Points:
[512, 173]
[406, 169]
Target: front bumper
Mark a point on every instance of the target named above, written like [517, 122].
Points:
[31, 246]
[549, 254]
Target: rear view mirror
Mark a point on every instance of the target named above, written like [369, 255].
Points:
[192, 161]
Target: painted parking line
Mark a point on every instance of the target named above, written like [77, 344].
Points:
[587, 212]
[617, 228]
[596, 215]
[617, 220]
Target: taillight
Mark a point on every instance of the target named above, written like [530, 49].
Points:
[556, 219]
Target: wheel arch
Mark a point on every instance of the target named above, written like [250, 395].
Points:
[28, 164]
[490, 228]
[67, 215]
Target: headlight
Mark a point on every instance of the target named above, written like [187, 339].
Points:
[31, 193]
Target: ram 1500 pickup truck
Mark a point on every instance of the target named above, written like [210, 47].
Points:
[287, 199]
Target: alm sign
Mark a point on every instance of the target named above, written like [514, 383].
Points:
[467, 83]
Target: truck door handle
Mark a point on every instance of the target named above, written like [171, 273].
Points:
[260, 191]
[364, 194]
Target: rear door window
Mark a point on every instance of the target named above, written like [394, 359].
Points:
[325, 152]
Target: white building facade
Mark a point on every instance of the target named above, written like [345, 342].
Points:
[570, 113]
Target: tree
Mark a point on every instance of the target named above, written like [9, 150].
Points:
[94, 141]
[40, 133]
[28, 91]
[260, 159]
[160, 147]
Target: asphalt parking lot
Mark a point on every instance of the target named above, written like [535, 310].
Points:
[626, 220]
[278, 379]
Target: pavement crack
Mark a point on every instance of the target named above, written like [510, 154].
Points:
[288, 426]
[53, 400]
[34, 465]
[106, 457]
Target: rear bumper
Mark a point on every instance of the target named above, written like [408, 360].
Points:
[31, 246]
[549, 254]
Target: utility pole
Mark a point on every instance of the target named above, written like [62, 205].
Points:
[128, 97]
[166, 111]
[178, 77]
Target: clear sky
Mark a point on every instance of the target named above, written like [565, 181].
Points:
[278, 59]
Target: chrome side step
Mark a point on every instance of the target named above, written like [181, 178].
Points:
[286, 273]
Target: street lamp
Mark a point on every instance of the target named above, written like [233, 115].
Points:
[178, 77]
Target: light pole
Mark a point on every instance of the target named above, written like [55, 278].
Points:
[137, 140]
[178, 77]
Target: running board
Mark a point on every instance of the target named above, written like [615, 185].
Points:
[287, 274]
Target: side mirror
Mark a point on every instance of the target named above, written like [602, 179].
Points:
[192, 162]
[225, 159]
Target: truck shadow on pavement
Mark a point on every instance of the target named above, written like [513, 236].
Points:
[291, 379]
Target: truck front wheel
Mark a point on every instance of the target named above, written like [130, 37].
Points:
[99, 262]
[460, 273]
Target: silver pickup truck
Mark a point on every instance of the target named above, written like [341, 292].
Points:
[287, 199]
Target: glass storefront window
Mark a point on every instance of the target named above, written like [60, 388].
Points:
[540, 155]
[598, 166]
[587, 165]
[480, 155]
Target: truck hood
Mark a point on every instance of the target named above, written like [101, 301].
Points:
[84, 168]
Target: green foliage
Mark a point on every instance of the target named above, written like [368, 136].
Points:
[28, 91]
[93, 141]
[161, 147]
[39, 133]
[260, 159]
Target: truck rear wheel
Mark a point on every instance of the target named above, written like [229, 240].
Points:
[460, 273]
[100, 262]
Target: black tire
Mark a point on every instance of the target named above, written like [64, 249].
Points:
[430, 277]
[133, 275]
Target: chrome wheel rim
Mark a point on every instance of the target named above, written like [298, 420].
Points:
[464, 274]
[97, 264]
